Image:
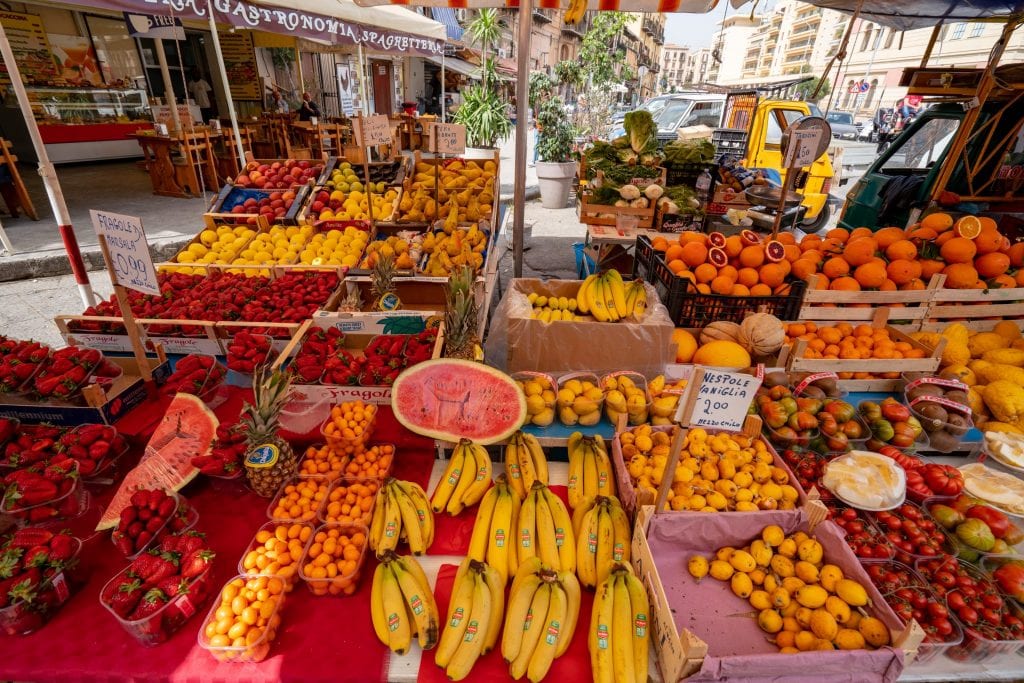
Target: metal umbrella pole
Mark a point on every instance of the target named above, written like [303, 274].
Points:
[49, 176]
[522, 100]
[169, 96]
[227, 86]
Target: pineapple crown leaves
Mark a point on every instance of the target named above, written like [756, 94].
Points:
[271, 391]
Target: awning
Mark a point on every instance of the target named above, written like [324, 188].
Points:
[904, 15]
[446, 15]
[457, 65]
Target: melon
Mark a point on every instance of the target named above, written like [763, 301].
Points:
[187, 429]
[722, 354]
[450, 400]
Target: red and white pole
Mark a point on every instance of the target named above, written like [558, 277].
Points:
[49, 176]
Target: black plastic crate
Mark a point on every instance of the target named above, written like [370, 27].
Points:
[643, 256]
[729, 141]
[687, 174]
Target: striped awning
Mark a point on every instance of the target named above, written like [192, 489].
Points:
[690, 6]
[446, 15]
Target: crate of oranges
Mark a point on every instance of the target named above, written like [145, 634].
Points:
[349, 424]
[326, 460]
[334, 559]
[299, 499]
[372, 463]
[862, 355]
[244, 621]
[276, 550]
[351, 501]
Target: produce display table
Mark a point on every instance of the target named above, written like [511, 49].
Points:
[607, 244]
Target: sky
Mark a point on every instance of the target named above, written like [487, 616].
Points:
[696, 30]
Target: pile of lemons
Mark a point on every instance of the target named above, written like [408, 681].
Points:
[219, 245]
[335, 248]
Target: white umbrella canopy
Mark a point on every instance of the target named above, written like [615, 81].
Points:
[390, 17]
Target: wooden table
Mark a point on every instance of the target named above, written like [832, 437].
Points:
[157, 151]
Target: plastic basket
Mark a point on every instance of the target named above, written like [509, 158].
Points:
[729, 140]
[643, 259]
[255, 649]
[687, 174]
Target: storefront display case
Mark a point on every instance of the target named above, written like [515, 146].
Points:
[79, 124]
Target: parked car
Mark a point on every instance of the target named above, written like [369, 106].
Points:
[653, 105]
[842, 124]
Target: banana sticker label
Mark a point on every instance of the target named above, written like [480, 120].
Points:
[528, 620]
[617, 552]
[421, 514]
[457, 616]
[559, 536]
[592, 543]
[602, 636]
[481, 474]
[640, 625]
[453, 478]
[513, 470]
[471, 629]
[602, 480]
[572, 482]
[393, 622]
[391, 529]
[499, 538]
[416, 604]
[524, 538]
[552, 635]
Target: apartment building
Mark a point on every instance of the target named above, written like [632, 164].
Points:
[645, 62]
[729, 48]
[674, 59]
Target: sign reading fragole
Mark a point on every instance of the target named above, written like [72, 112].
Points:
[130, 260]
[448, 138]
[720, 402]
[371, 131]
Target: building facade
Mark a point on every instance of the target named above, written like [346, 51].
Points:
[673, 66]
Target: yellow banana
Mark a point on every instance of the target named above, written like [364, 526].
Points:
[472, 642]
[578, 513]
[605, 475]
[599, 637]
[481, 480]
[517, 623]
[399, 629]
[574, 14]
[526, 538]
[500, 532]
[605, 543]
[423, 511]
[622, 637]
[621, 533]
[589, 489]
[598, 301]
[572, 594]
[392, 525]
[379, 618]
[449, 480]
[459, 608]
[528, 568]
[618, 292]
[575, 449]
[410, 520]
[582, 302]
[535, 628]
[515, 476]
[586, 548]
[565, 539]
[377, 521]
[640, 610]
[546, 545]
[419, 598]
[479, 540]
[640, 303]
[631, 295]
[547, 646]
[497, 618]
[609, 298]
[536, 454]
[467, 474]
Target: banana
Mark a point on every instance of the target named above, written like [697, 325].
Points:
[547, 548]
[399, 630]
[565, 539]
[618, 291]
[607, 290]
[416, 593]
[640, 610]
[515, 475]
[598, 301]
[589, 489]
[605, 474]
[392, 524]
[379, 618]
[497, 589]
[575, 471]
[536, 454]
[459, 609]
[578, 513]
[554, 625]
[500, 531]
[631, 296]
[481, 479]
[621, 533]
[574, 13]
[422, 506]
[605, 543]
[528, 568]
[599, 637]
[449, 480]
[526, 537]
[520, 599]
[586, 548]
[622, 641]
[410, 520]
[535, 626]
[525, 462]
[479, 542]
[582, 303]
[472, 642]
[572, 594]
[467, 473]
[377, 521]
[639, 306]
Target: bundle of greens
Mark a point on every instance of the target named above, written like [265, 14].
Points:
[684, 152]
[681, 200]
[641, 131]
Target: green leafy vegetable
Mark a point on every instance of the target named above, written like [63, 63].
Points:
[683, 152]
[642, 133]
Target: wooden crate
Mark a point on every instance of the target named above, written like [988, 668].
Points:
[978, 309]
[221, 212]
[306, 217]
[791, 357]
[826, 307]
[205, 342]
[419, 158]
[209, 223]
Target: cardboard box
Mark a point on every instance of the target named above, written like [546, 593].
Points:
[589, 346]
[127, 392]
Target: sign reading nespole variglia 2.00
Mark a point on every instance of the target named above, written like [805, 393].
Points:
[129, 251]
[721, 401]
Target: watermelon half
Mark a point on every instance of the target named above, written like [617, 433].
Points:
[187, 429]
[450, 399]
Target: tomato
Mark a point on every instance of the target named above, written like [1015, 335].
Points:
[968, 615]
[992, 601]
[996, 520]
[956, 601]
[944, 578]
[943, 480]
[937, 611]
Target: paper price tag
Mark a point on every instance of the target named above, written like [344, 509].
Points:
[130, 260]
[372, 130]
[802, 148]
[719, 400]
[448, 138]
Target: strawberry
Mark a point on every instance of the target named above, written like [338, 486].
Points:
[196, 562]
[22, 587]
[29, 538]
[151, 603]
[38, 556]
[173, 586]
[30, 491]
[10, 562]
[123, 543]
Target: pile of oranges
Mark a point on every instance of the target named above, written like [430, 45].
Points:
[849, 342]
[739, 265]
[351, 501]
[276, 551]
[350, 423]
[970, 252]
[333, 560]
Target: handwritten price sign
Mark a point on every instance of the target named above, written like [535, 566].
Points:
[448, 138]
[129, 251]
[372, 130]
[721, 400]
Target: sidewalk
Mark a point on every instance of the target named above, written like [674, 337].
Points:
[122, 187]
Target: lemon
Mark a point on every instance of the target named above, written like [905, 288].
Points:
[208, 237]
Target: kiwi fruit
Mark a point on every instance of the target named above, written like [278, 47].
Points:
[813, 391]
[776, 379]
[925, 390]
[957, 396]
[932, 416]
[914, 376]
[943, 441]
[957, 424]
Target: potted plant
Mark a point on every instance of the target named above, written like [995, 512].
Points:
[484, 112]
[555, 165]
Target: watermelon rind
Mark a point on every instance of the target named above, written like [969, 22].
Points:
[514, 407]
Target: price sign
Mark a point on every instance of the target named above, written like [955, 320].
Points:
[802, 148]
[447, 138]
[718, 400]
[372, 130]
[130, 262]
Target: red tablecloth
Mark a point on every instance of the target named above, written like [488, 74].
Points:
[322, 638]
[574, 665]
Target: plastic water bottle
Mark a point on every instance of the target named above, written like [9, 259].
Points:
[703, 185]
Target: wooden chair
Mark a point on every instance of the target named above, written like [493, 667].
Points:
[14, 193]
[197, 157]
[227, 152]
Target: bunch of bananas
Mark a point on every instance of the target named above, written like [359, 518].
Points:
[475, 612]
[525, 462]
[619, 629]
[590, 469]
[574, 14]
[609, 299]
[402, 513]
[401, 604]
[602, 538]
[465, 480]
[494, 531]
[543, 610]
[545, 529]
[623, 396]
[664, 398]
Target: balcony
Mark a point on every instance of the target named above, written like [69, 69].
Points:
[542, 16]
[654, 29]
[803, 46]
[573, 31]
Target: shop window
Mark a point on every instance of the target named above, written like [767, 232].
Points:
[116, 51]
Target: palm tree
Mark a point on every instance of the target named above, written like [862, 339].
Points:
[485, 30]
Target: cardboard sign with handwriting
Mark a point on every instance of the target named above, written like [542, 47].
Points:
[718, 400]
[372, 130]
[448, 138]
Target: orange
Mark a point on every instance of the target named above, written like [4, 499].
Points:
[752, 256]
[960, 275]
[922, 235]
[688, 275]
[857, 233]
[822, 282]
[988, 241]
[938, 222]
[659, 243]
[810, 242]
[761, 289]
[859, 251]
[901, 249]
[887, 236]
[835, 267]
[705, 272]
[747, 277]
[813, 255]
[691, 236]
[902, 271]
[930, 267]
[722, 285]
[1003, 281]
[831, 245]
[729, 272]
[703, 288]
[673, 252]
[1016, 254]
[958, 250]
[792, 251]
[987, 223]
[915, 284]
[740, 290]
[839, 234]
[733, 246]
[676, 266]
[845, 284]
[694, 254]
[871, 275]
[887, 286]
[968, 226]
[944, 237]
[786, 238]
[991, 265]
[772, 274]
[802, 268]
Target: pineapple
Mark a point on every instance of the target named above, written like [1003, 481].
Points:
[460, 316]
[260, 419]
[353, 301]
[382, 286]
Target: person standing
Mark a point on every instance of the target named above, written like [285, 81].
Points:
[308, 109]
[200, 91]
